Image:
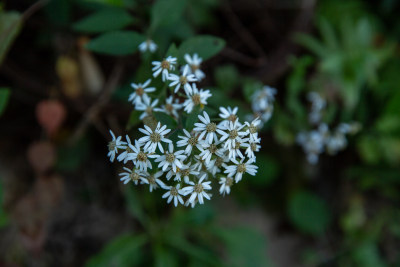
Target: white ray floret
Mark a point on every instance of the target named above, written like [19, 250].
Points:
[208, 150]
[239, 168]
[164, 67]
[226, 183]
[146, 106]
[114, 145]
[154, 138]
[252, 129]
[170, 107]
[196, 98]
[140, 158]
[206, 128]
[133, 175]
[189, 141]
[174, 193]
[251, 147]
[183, 80]
[140, 91]
[153, 181]
[171, 159]
[197, 191]
[194, 62]
[148, 45]
[231, 133]
[124, 155]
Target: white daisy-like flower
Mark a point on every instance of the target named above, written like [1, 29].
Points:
[182, 80]
[197, 191]
[131, 175]
[146, 106]
[206, 128]
[228, 114]
[251, 147]
[194, 63]
[216, 164]
[240, 168]
[139, 157]
[235, 151]
[153, 181]
[140, 91]
[252, 129]
[148, 45]
[189, 141]
[164, 67]
[170, 107]
[174, 193]
[196, 98]
[171, 158]
[335, 143]
[208, 150]
[226, 183]
[231, 133]
[154, 138]
[124, 155]
[183, 172]
[313, 142]
[114, 145]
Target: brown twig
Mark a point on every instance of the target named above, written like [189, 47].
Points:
[94, 110]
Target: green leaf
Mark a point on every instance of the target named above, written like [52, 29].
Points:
[123, 251]
[104, 20]
[268, 170]
[4, 97]
[133, 119]
[10, 26]
[192, 118]
[165, 119]
[309, 213]
[116, 43]
[135, 205]
[205, 46]
[59, 12]
[166, 12]
[172, 51]
[227, 77]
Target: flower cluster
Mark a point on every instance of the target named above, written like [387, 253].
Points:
[316, 141]
[262, 104]
[186, 160]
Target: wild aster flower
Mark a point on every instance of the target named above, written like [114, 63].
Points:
[226, 183]
[174, 193]
[313, 142]
[335, 143]
[138, 157]
[140, 91]
[196, 98]
[194, 63]
[182, 80]
[216, 164]
[164, 67]
[171, 158]
[148, 45]
[146, 106]
[197, 191]
[240, 168]
[228, 114]
[133, 175]
[251, 147]
[231, 133]
[235, 151]
[207, 150]
[124, 155]
[263, 98]
[154, 138]
[206, 128]
[189, 141]
[153, 181]
[170, 107]
[113, 146]
[252, 129]
[317, 105]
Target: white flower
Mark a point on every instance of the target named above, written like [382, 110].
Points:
[154, 138]
[174, 193]
[148, 45]
[228, 114]
[251, 147]
[170, 107]
[197, 191]
[263, 98]
[231, 134]
[140, 91]
[313, 142]
[153, 181]
[189, 141]
[131, 175]
[140, 158]
[124, 155]
[146, 106]
[182, 80]
[336, 143]
[113, 146]
[235, 151]
[252, 129]
[194, 63]
[196, 98]
[171, 158]
[206, 128]
[226, 183]
[216, 164]
[317, 105]
[207, 150]
[164, 66]
[240, 168]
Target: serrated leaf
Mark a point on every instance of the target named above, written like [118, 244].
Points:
[165, 119]
[116, 43]
[133, 119]
[104, 20]
[10, 26]
[4, 97]
[205, 46]
[166, 12]
[309, 213]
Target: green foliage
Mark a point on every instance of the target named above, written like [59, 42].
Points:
[10, 26]
[71, 157]
[133, 119]
[166, 12]
[4, 97]
[165, 119]
[192, 118]
[309, 213]
[117, 43]
[104, 20]
[267, 172]
[204, 45]
[226, 77]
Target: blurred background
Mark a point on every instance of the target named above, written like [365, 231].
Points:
[64, 85]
